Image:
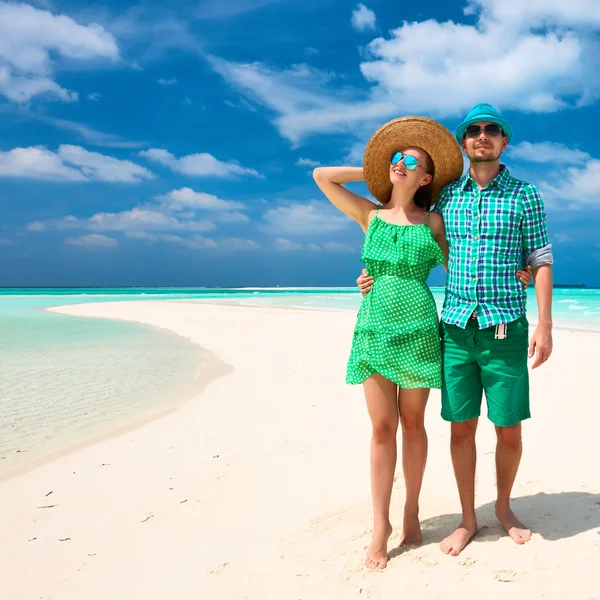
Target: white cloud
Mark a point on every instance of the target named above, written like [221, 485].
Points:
[538, 13]
[561, 238]
[336, 247]
[363, 18]
[356, 154]
[237, 244]
[433, 68]
[299, 97]
[197, 242]
[71, 163]
[167, 81]
[439, 70]
[136, 219]
[5, 242]
[201, 165]
[92, 240]
[548, 152]
[30, 41]
[304, 219]
[187, 198]
[285, 245]
[209, 9]
[575, 187]
[307, 162]
[91, 136]
[99, 167]
[230, 217]
[36, 163]
[94, 96]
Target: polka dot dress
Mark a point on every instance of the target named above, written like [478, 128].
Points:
[396, 331]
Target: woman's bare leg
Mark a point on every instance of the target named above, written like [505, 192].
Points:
[382, 404]
[414, 457]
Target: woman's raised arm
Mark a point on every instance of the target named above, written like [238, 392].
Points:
[331, 180]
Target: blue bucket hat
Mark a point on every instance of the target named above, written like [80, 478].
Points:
[483, 112]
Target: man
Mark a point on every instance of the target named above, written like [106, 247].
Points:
[494, 224]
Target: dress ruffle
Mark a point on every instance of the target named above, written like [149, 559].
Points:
[401, 245]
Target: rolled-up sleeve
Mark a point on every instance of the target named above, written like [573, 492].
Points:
[534, 225]
[540, 257]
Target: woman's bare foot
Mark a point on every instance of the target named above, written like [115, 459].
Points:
[454, 544]
[411, 530]
[377, 556]
[515, 529]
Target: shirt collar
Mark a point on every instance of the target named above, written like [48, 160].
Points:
[501, 180]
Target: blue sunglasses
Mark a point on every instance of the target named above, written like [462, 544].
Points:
[410, 162]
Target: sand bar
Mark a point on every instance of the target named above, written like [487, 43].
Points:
[258, 487]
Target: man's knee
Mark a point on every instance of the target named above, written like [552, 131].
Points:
[509, 436]
[463, 432]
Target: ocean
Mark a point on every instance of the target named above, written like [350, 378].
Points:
[65, 380]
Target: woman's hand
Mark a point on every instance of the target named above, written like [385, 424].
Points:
[365, 282]
[331, 180]
[525, 276]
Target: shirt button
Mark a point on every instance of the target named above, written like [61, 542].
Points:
[476, 237]
[473, 279]
[476, 218]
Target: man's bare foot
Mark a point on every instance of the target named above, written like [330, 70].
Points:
[515, 529]
[411, 530]
[454, 544]
[377, 556]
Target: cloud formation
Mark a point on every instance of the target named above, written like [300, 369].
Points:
[70, 163]
[531, 57]
[198, 165]
[363, 18]
[31, 40]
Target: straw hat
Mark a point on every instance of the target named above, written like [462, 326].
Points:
[405, 132]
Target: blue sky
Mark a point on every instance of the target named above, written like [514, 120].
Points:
[174, 146]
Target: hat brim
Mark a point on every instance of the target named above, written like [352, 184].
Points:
[405, 132]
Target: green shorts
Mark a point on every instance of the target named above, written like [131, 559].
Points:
[473, 360]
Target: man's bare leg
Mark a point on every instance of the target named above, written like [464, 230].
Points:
[509, 449]
[414, 457]
[382, 404]
[464, 459]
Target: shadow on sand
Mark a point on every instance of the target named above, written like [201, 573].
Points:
[554, 516]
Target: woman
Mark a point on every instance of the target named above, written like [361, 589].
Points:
[396, 351]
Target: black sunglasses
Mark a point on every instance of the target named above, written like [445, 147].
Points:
[493, 130]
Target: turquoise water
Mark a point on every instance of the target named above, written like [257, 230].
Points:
[65, 379]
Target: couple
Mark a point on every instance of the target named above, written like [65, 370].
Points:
[484, 227]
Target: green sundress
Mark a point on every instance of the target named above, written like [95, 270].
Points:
[397, 327]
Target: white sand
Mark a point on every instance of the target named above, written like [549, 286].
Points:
[259, 487]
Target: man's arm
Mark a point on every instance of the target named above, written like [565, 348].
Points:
[541, 342]
[536, 250]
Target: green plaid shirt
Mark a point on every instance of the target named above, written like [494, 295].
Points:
[491, 233]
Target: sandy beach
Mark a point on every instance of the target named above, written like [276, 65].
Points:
[258, 487]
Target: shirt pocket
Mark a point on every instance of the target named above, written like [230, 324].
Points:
[503, 222]
[456, 220]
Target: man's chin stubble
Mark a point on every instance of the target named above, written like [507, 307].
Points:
[483, 159]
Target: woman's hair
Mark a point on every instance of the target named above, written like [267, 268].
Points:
[424, 195]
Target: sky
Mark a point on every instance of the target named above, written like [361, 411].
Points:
[174, 146]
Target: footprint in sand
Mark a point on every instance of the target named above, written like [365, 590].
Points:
[506, 576]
